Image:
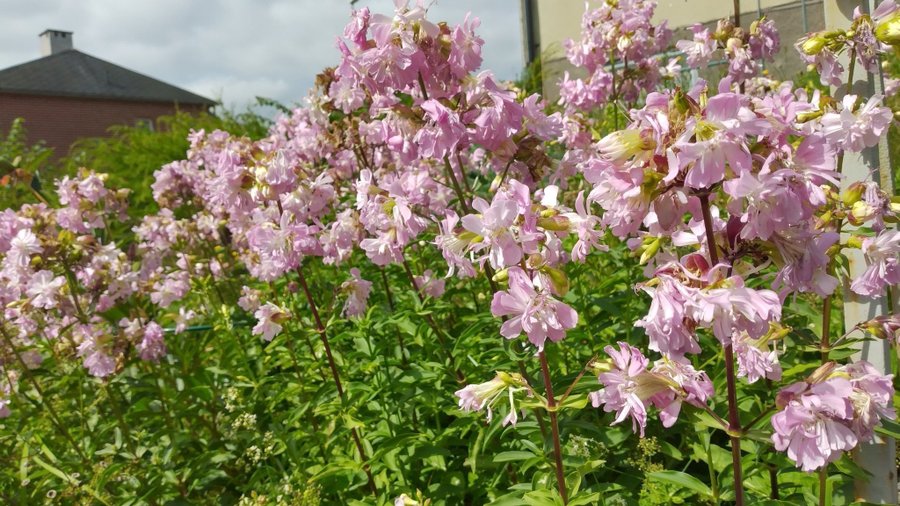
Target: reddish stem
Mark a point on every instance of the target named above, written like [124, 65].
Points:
[336, 376]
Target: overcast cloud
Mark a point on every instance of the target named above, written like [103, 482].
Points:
[232, 50]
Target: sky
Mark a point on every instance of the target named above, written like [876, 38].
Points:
[233, 50]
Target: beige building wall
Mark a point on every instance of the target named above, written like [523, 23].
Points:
[559, 20]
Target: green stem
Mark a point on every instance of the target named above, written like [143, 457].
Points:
[451, 175]
[37, 387]
[431, 323]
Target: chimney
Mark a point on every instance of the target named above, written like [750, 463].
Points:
[55, 41]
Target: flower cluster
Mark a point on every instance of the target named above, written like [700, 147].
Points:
[630, 387]
[831, 412]
[868, 37]
[730, 199]
[620, 48]
[745, 50]
[58, 277]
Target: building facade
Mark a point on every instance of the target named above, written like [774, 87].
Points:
[67, 95]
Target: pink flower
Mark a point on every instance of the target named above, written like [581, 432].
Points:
[811, 429]
[22, 246]
[43, 288]
[99, 364]
[381, 249]
[872, 398]
[493, 226]
[153, 345]
[249, 300]
[735, 308]
[453, 246]
[357, 290]
[429, 285]
[537, 314]
[756, 360]
[356, 29]
[171, 288]
[183, 318]
[699, 50]
[623, 384]
[443, 131]
[620, 193]
[805, 258]
[485, 395]
[96, 359]
[856, 131]
[586, 227]
[269, 318]
[670, 330]
[538, 123]
[465, 50]
[629, 387]
[719, 137]
[831, 412]
[764, 39]
[883, 258]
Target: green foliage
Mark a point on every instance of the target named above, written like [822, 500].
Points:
[532, 78]
[21, 166]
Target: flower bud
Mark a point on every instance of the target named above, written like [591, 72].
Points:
[495, 184]
[803, 117]
[558, 279]
[888, 31]
[470, 237]
[724, 29]
[623, 144]
[823, 373]
[598, 367]
[814, 44]
[825, 219]
[854, 241]
[861, 212]
[650, 251]
[883, 327]
[554, 224]
[777, 331]
[501, 276]
[853, 194]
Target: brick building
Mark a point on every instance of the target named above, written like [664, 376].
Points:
[67, 95]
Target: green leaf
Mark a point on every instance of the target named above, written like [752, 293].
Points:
[889, 428]
[543, 498]
[52, 469]
[513, 456]
[682, 479]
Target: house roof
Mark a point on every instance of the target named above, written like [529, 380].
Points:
[75, 74]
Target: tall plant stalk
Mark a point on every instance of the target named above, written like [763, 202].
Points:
[320, 327]
[54, 417]
[431, 323]
[734, 421]
[554, 427]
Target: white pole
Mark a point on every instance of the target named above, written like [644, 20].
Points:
[878, 457]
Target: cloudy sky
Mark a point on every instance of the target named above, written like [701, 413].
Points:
[232, 50]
